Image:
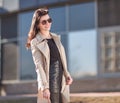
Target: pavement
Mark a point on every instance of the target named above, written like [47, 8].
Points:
[100, 94]
[106, 97]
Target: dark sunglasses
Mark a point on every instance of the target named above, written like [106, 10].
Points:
[44, 22]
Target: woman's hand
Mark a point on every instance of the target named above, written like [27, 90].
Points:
[69, 81]
[46, 93]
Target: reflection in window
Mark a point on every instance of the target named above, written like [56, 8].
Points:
[118, 51]
[108, 40]
[108, 66]
[117, 37]
[108, 52]
[26, 63]
[118, 64]
[108, 12]
[59, 20]
[82, 16]
[82, 53]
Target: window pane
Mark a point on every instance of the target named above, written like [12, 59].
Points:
[46, 1]
[82, 53]
[26, 63]
[9, 26]
[82, 16]
[59, 20]
[110, 52]
[108, 12]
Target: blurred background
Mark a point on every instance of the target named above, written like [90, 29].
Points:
[90, 33]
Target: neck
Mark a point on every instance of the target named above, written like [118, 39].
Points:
[45, 34]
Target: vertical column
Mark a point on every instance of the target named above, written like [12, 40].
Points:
[0, 49]
[9, 47]
[113, 52]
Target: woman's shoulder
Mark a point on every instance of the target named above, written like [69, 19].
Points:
[33, 41]
[55, 35]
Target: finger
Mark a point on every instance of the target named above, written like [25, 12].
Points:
[69, 82]
[46, 95]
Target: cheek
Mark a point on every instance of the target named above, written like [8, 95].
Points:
[50, 24]
[39, 26]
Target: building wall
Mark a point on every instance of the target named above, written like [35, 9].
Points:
[83, 26]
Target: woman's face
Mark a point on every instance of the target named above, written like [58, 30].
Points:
[45, 23]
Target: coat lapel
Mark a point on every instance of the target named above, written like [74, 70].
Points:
[42, 45]
[44, 49]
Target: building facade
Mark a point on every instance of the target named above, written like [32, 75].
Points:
[90, 33]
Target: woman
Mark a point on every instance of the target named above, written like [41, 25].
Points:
[50, 60]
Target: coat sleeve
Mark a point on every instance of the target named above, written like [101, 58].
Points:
[38, 61]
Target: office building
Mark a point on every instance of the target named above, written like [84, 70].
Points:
[90, 33]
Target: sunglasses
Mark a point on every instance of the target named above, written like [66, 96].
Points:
[44, 22]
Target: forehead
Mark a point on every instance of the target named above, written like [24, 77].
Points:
[45, 17]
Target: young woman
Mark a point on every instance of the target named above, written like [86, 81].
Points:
[49, 59]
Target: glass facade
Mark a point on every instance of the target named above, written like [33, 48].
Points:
[82, 16]
[9, 47]
[78, 34]
[27, 68]
[59, 20]
[82, 53]
[77, 26]
[110, 50]
[0, 52]
[108, 12]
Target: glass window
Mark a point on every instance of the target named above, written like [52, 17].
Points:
[108, 66]
[82, 53]
[26, 62]
[117, 37]
[118, 51]
[108, 12]
[46, 1]
[118, 65]
[59, 19]
[82, 16]
[9, 26]
[108, 40]
[0, 50]
[27, 3]
[9, 47]
[108, 52]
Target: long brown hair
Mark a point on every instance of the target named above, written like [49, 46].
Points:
[34, 25]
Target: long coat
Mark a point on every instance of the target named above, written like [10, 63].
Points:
[41, 58]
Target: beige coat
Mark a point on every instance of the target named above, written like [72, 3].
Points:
[41, 57]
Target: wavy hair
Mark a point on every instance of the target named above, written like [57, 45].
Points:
[34, 25]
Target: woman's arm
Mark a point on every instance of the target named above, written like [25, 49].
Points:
[68, 77]
[38, 61]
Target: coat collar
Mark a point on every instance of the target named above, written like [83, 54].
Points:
[41, 38]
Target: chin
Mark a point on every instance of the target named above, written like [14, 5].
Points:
[47, 29]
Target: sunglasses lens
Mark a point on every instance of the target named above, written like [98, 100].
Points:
[50, 20]
[44, 22]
